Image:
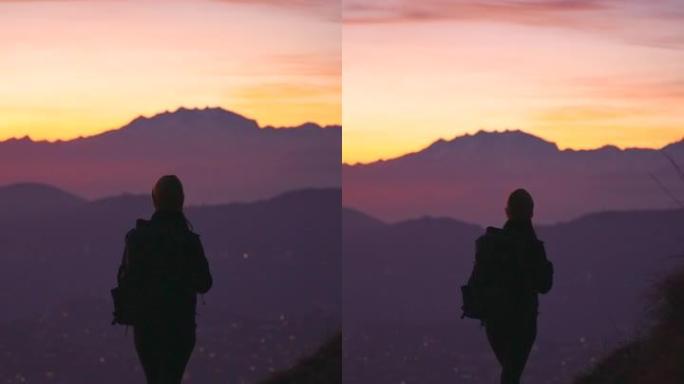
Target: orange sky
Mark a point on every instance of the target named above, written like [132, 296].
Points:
[70, 68]
[582, 73]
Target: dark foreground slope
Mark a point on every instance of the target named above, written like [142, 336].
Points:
[276, 266]
[322, 367]
[657, 355]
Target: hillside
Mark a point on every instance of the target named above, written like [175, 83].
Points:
[323, 366]
[401, 294]
[276, 294]
[655, 355]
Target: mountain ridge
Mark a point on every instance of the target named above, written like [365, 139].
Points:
[50, 192]
[487, 135]
[470, 176]
[220, 156]
[139, 120]
[426, 220]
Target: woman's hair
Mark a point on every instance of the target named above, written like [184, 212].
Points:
[168, 194]
[520, 205]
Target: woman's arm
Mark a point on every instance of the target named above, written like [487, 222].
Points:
[543, 272]
[201, 276]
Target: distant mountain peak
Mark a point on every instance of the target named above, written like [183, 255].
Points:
[308, 126]
[26, 139]
[29, 185]
[510, 135]
[179, 122]
[211, 111]
[40, 197]
[507, 141]
[674, 146]
[193, 119]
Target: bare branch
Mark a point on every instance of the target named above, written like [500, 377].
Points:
[667, 191]
[676, 166]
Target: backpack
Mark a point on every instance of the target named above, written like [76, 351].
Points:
[472, 305]
[154, 275]
[500, 282]
[125, 298]
[486, 290]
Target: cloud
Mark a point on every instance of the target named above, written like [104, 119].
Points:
[660, 89]
[515, 11]
[588, 113]
[655, 24]
[323, 67]
[308, 64]
[53, 1]
[327, 9]
[290, 92]
[330, 9]
[618, 98]
[287, 3]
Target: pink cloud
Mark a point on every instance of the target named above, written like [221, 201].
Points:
[328, 9]
[656, 88]
[524, 12]
[657, 23]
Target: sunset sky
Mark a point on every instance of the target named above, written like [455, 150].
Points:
[582, 73]
[70, 67]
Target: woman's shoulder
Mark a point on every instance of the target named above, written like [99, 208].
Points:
[194, 237]
[492, 235]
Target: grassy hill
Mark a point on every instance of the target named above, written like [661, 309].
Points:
[656, 356]
[324, 366]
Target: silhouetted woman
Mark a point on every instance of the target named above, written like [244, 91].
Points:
[164, 262]
[511, 269]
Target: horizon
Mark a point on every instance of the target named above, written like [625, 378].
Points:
[350, 208]
[160, 113]
[518, 131]
[423, 217]
[261, 125]
[80, 68]
[85, 200]
[581, 73]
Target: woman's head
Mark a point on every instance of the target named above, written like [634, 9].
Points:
[520, 205]
[168, 194]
